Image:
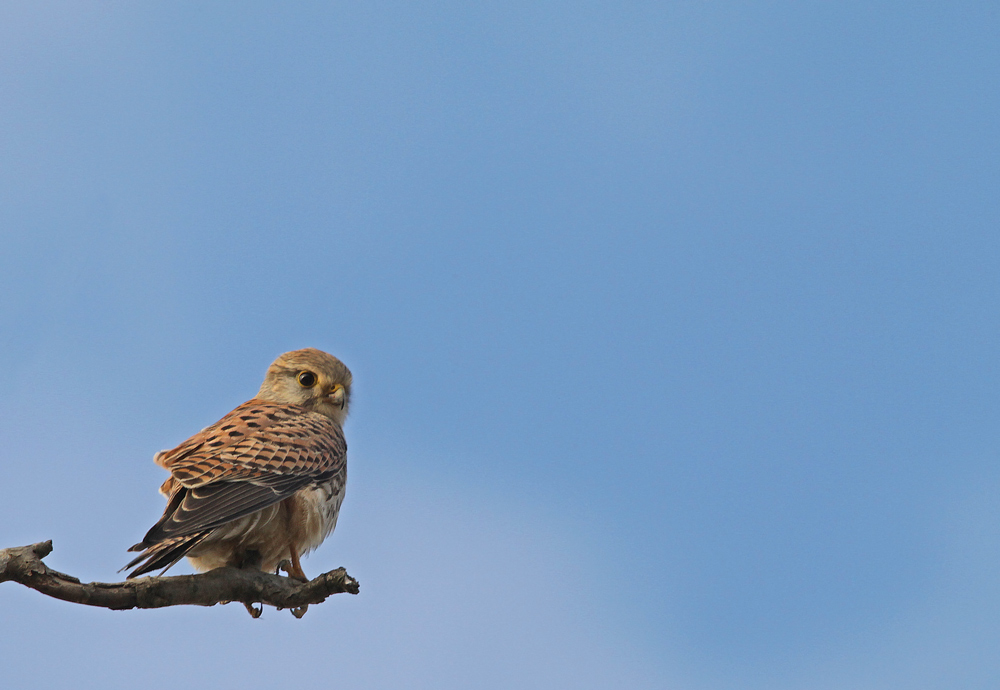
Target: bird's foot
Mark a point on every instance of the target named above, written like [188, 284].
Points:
[291, 571]
[254, 612]
[300, 611]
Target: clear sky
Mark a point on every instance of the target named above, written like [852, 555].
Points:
[674, 329]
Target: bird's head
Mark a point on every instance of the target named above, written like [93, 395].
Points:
[310, 378]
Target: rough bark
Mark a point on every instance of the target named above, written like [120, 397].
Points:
[24, 564]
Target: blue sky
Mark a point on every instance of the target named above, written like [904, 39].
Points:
[673, 327]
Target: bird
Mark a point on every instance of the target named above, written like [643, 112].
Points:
[263, 486]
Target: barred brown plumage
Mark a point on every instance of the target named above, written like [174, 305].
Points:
[264, 484]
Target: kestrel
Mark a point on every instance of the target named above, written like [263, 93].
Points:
[262, 486]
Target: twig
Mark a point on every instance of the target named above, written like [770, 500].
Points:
[24, 564]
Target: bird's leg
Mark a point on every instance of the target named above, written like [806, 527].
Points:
[295, 570]
[285, 566]
[294, 567]
[250, 560]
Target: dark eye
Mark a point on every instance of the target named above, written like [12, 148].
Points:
[307, 379]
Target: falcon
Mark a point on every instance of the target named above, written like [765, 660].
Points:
[263, 486]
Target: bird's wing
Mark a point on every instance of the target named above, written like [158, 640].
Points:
[257, 455]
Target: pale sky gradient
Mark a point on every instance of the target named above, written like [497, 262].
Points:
[674, 328]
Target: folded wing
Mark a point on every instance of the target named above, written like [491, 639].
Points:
[258, 455]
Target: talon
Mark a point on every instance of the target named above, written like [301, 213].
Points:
[254, 612]
[300, 611]
[284, 565]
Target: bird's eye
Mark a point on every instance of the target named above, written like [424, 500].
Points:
[307, 379]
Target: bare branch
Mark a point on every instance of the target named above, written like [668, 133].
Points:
[24, 564]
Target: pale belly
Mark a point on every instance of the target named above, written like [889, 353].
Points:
[265, 538]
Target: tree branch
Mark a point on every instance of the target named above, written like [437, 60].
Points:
[24, 564]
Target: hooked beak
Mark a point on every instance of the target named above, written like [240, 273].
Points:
[337, 395]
